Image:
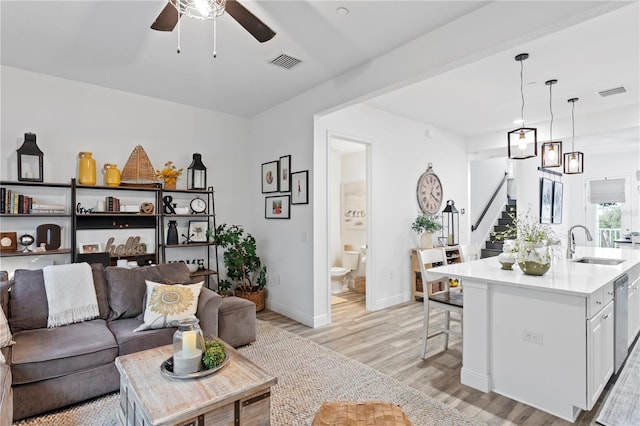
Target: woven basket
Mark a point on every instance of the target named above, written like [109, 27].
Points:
[256, 297]
[138, 168]
[360, 413]
[360, 284]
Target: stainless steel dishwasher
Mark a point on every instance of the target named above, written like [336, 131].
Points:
[621, 321]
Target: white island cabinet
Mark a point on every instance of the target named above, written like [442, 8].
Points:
[545, 341]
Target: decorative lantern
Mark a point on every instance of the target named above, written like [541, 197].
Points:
[188, 347]
[197, 174]
[30, 160]
[451, 223]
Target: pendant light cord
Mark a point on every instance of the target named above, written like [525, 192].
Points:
[522, 92]
[551, 111]
[573, 127]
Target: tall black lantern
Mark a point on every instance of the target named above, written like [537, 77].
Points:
[197, 174]
[451, 223]
[30, 160]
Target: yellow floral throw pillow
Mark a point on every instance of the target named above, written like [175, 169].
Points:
[168, 304]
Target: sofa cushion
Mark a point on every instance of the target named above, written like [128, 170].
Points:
[99, 282]
[28, 298]
[130, 341]
[28, 301]
[5, 332]
[52, 352]
[126, 287]
[237, 321]
[166, 304]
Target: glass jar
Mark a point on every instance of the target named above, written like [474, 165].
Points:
[87, 169]
[111, 175]
[188, 346]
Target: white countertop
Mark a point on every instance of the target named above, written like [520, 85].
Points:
[564, 276]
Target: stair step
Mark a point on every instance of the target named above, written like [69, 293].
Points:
[484, 253]
[505, 221]
[511, 202]
[499, 228]
[496, 245]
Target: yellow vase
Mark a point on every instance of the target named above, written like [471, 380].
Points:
[87, 170]
[111, 175]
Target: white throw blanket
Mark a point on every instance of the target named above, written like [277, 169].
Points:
[70, 294]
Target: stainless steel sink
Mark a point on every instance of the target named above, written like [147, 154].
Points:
[599, 261]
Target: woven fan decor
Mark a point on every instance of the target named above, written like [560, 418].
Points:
[139, 168]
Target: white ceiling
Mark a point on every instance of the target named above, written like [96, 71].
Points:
[110, 44]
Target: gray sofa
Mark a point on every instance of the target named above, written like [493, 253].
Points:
[55, 367]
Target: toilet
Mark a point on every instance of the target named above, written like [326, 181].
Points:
[341, 275]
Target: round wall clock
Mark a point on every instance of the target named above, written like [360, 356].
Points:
[429, 192]
[198, 205]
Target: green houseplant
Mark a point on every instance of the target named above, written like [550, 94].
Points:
[426, 225]
[244, 268]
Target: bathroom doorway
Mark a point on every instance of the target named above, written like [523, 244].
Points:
[348, 220]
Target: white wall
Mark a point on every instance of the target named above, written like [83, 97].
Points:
[354, 169]
[69, 117]
[486, 175]
[399, 155]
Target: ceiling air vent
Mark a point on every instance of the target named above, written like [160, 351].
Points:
[285, 61]
[612, 92]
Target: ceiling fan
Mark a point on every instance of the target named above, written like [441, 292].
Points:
[168, 18]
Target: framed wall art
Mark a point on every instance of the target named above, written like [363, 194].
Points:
[556, 215]
[300, 187]
[270, 177]
[8, 241]
[284, 175]
[277, 207]
[89, 248]
[546, 200]
[198, 231]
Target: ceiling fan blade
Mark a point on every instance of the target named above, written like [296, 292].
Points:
[167, 19]
[249, 21]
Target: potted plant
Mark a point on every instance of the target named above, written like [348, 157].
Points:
[426, 225]
[533, 243]
[244, 268]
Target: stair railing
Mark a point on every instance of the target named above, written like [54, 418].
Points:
[486, 208]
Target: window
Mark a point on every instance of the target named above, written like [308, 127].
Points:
[609, 223]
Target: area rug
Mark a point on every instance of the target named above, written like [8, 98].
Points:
[308, 375]
[622, 406]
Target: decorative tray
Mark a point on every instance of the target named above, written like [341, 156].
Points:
[166, 368]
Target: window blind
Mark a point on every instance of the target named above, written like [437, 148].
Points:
[607, 191]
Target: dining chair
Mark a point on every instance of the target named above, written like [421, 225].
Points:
[469, 252]
[635, 241]
[447, 300]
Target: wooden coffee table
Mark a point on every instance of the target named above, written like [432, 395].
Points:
[238, 394]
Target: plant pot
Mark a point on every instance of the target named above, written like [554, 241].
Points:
[427, 240]
[170, 183]
[534, 258]
[256, 297]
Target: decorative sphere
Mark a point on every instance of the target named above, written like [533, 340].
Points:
[26, 240]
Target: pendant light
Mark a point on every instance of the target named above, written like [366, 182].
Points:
[523, 142]
[551, 150]
[574, 160]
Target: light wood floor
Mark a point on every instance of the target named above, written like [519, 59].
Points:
[389, 341]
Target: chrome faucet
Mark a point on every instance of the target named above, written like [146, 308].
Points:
[571, 242]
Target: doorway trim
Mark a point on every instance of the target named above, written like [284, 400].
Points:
[370, 286]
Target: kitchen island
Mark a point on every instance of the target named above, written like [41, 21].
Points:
[545, 341]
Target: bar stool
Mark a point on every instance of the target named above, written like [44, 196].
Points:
[447, 300]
